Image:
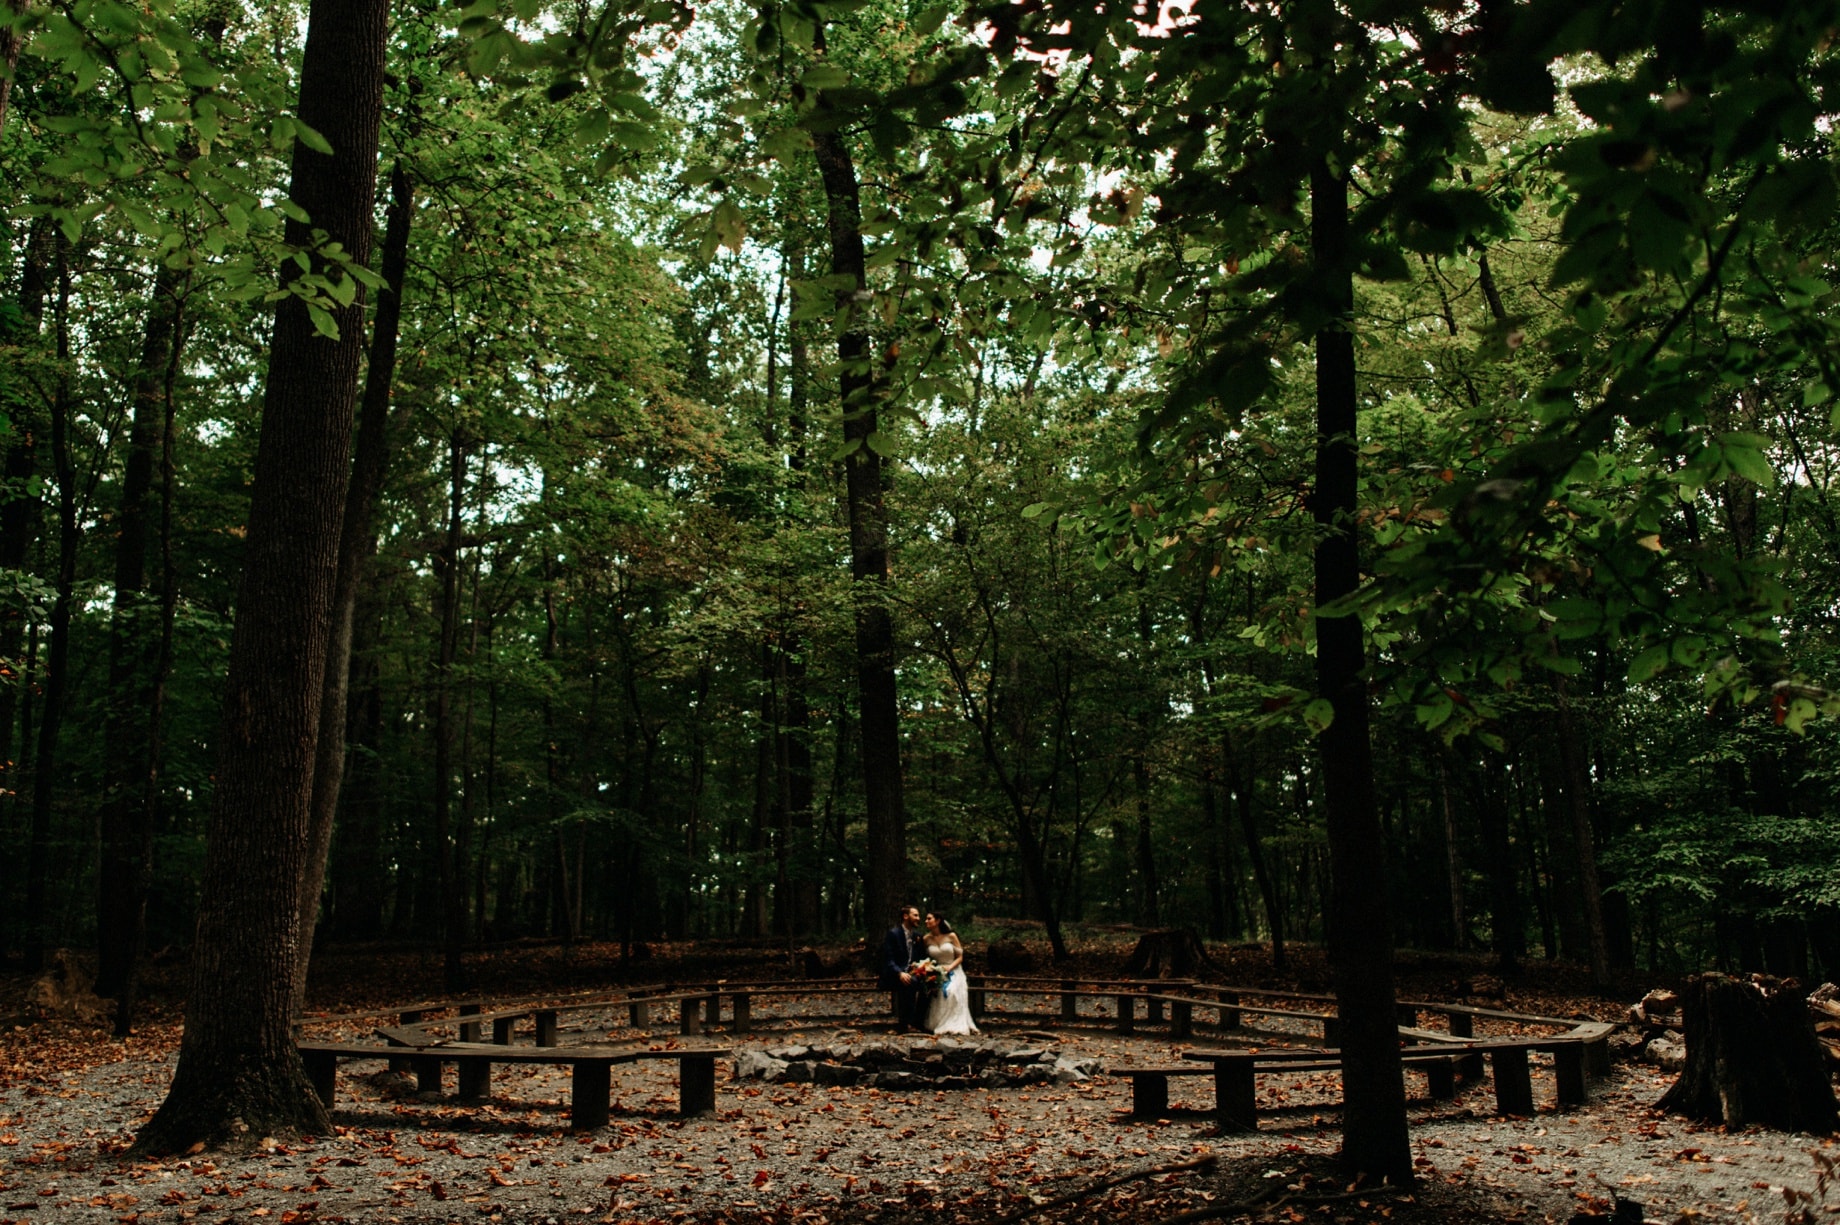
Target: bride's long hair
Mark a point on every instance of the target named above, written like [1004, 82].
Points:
[945, 928]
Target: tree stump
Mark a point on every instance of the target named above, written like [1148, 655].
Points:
[1172, 953]
[1752, 1057]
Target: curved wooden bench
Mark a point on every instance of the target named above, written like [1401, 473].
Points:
[590, 1092]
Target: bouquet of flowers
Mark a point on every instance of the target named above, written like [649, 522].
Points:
[926, 975]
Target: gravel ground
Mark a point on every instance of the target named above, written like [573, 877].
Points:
[797, 1151]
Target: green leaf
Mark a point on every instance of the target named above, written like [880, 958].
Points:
[1648, 664]
[824, 76]
[311, 139]
[1318, 715]
[323, 322]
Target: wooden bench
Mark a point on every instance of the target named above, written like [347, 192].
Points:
[591, 1085]
[1150, 1086]
[1236, 1071]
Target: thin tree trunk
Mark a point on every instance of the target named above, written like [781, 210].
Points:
[357, 544]
[1374, 1142]
[121, 907]
[19, 511]
[57, 652]
[447, 579]
[239, 1076]
[150, 794]
[11, 41]
[886, 884]
[1453, 863]
[1584, 840]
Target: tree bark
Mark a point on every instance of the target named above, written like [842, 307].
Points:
[126, 833]
[239, 1076]
[357, 542]
[1374, 1142]
[886, 886]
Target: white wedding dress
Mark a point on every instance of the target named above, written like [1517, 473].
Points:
[950, 1011]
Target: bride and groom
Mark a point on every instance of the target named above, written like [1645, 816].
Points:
[945, 1010]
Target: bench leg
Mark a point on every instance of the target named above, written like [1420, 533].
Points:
[1229, 1014]
[405, 1018]
[1407, 1015]
[696, 1085]
[322, 1074]
[640, 1014]
[1153, 1011]
[689, 1017]
[590, 1092]
[1332, 1032]
[1127, 1013]
[469, 1030]
[1597, 1057]
[1513, 1084]
[1070, 1003]
[712, 1010]
[1235, 1106]
[546, 1027]
[977, 1001]
[744, 1014]
[1149, 1097]
[1568, 1067]
[427, 1073]
[1462, 1025]
[1441, 1079]
[1181, 1019]
[475, 1077]
[502, 1030]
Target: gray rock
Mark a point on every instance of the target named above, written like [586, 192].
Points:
[789, 1053]
[1668, 1056]
[758, 1065]
[900, 1080]
[801, 1071]
[837, 1074]
[1081, 1068]
[1024, 1055]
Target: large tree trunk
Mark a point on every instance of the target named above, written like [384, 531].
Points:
[125, 820]
[1752, 1058]
[357, 542]
[886, 867]
[239, 1076]
[1374, 1142]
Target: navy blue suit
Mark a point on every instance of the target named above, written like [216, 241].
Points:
[897, 954]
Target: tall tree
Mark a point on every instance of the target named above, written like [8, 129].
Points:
[886, 861]
[239, 1075]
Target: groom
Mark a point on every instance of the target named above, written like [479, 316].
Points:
[897, 954]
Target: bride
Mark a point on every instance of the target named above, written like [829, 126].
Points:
[950, 1012]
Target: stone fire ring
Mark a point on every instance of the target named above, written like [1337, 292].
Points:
[909, 1063]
